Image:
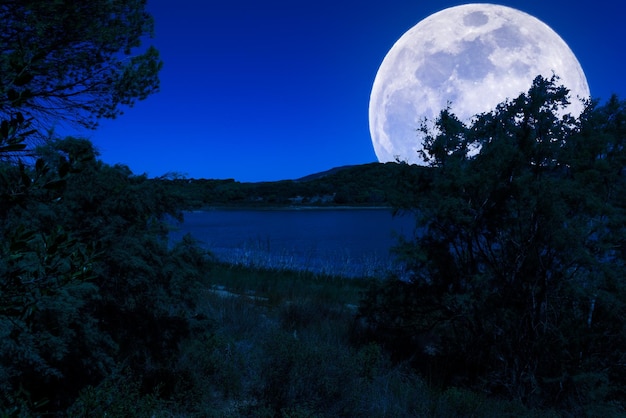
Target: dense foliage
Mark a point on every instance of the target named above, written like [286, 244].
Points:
[514, 282]
[89, 284]
[74, 61]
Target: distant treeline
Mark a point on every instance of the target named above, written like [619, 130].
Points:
[374, 184]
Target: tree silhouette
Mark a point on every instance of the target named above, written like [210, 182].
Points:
[72, 61]
[514, 284]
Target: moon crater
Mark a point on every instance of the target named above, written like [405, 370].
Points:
[471, 57]
[475, 19]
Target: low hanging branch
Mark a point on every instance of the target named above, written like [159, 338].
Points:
[73, 62]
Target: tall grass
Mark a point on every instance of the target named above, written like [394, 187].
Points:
[258, 254]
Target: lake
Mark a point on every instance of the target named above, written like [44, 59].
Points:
[346, 242]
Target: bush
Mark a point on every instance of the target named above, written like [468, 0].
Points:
[88, 282]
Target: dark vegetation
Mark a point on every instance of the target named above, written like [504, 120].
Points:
[516, 286]
[511, 304]
[363, 185]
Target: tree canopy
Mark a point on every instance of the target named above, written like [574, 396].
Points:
[514, 281]
[74, 61]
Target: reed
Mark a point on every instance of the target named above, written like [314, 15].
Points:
[258, 254]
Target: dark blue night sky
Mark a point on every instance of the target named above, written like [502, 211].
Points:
[268, 90]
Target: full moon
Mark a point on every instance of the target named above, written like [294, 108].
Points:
[469, 57]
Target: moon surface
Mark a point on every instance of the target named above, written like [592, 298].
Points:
[471, 57]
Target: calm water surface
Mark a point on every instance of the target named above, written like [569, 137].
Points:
[349, 242]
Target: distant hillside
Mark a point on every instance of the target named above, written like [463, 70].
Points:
[374, 184]
[326, 173]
